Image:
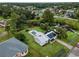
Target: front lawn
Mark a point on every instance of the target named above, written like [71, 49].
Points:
[72, 38]
[50, 49]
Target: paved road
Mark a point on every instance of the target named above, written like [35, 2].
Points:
[74, 52]
[65, 44]
[65, 18]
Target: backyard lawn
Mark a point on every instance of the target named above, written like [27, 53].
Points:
[50, 49]
[37, 28]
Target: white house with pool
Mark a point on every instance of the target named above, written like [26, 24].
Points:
[42, 38]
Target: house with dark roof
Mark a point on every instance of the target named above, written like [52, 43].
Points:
[13, 48]
[69, 14]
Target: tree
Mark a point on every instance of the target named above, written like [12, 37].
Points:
[77, 14]
[7, 28]
[48, 16]
[12, 22]
[62, 33]
[20, 37]
[33, 15]
[44, 26]
[5, 11]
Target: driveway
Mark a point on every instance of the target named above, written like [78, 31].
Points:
[74, 52]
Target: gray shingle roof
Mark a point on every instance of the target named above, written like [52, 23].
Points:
[10, 47]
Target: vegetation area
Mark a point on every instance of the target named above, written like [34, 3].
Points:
[72, 23]
[2, 30]
[50, 49]
[22, 20]
[1, 17]
[5, 37]
[72, 38]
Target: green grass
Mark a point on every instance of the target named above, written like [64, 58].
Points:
[37, 28]
[72, 38]
[1, 17]
[36, 20]
[2, 30]
[36, 50]
[71, 35]
[5, 37]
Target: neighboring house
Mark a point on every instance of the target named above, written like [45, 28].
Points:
[13, 48]
[42, 38]
[31, 8]
[17, 7]
[37, 12]
[70, 14]
[2, 23]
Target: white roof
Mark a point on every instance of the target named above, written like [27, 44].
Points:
[39, 36]
[42, 38]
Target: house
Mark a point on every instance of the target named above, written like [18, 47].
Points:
[37, 12]
[2, 23]
[69, 14]
[30, 8]
[13, 48]
[42, 38]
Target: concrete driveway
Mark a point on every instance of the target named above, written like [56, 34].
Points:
[74, 52]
